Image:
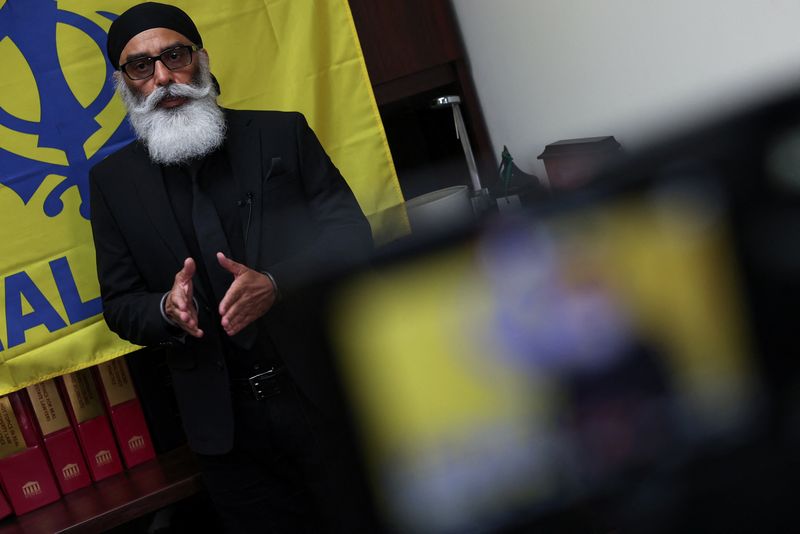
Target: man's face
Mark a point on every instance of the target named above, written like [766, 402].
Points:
[152, 43]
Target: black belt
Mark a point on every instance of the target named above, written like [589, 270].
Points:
[260, 386]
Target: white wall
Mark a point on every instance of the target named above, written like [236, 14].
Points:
[637, 69]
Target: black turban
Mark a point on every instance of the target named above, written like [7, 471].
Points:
[146, 17]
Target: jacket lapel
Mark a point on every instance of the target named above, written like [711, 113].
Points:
[244, 152]
[155, 203]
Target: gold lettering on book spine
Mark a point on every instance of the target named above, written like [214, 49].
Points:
[48, 407]
[70, 471]
[135, 443]
[83, 395]
[11, 440]
[103, 458]
[31, 489]
[116, 381]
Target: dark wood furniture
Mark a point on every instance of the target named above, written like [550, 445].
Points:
[116, 500]
[572, 163]
[414, 53]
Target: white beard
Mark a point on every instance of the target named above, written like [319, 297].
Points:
[180, 134]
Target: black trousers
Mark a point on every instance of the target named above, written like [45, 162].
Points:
[286, 472]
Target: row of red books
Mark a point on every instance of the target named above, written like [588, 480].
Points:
[56, 438]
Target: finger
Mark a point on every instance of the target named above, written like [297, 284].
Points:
[192, 327]
[234, 328]
[180, 304]
[228, 319]
[229, 265]
[188, 288]
[188, 317]
[227, 303]
[189, 267]
[177, 300]
[231, 330]
[182, 296]
[189, 322]
[232, 296]
[186, 272]
[237, 319]
[194, 332]
[233, 321]
[182, 289]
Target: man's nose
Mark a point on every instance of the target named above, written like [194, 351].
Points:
[161, 74]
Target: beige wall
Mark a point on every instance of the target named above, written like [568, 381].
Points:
[555, 69]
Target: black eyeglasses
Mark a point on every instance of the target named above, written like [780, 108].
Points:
[143, 67]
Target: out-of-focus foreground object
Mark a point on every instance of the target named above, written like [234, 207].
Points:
[620, 357]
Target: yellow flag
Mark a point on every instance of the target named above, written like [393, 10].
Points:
[304, 55]
[59, 117]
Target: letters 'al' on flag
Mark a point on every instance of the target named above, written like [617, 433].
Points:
[59, 117]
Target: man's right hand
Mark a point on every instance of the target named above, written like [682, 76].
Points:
[179, 305]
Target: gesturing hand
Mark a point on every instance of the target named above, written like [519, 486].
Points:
[179, 305]
[250, 296]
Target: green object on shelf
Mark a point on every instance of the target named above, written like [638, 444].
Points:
[513, 181]
[506, 170]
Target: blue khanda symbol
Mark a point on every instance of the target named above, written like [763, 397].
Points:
[65, 124]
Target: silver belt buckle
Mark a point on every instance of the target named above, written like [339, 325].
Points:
[259, 382]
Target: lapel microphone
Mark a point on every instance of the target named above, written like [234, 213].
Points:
[248, 201]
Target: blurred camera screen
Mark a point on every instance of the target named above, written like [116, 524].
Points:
[543, 360]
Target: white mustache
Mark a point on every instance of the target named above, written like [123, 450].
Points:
[173, 90]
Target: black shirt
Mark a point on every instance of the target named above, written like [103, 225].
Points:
[232, 206]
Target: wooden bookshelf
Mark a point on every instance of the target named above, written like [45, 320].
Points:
[116, 500]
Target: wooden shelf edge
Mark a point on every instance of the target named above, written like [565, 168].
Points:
[419, 82]
[168, 478]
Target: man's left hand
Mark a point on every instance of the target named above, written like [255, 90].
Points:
[250, 296]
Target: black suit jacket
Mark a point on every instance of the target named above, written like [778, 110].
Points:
[305, 221]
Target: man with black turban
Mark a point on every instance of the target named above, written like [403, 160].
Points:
[206, 227]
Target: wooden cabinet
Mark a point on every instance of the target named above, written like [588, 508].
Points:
[414, 53]
[404, 37]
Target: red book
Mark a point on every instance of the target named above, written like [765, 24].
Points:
[127, 418]
[85, 408]
[5, 508]
[24, 470]
[59, 438]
